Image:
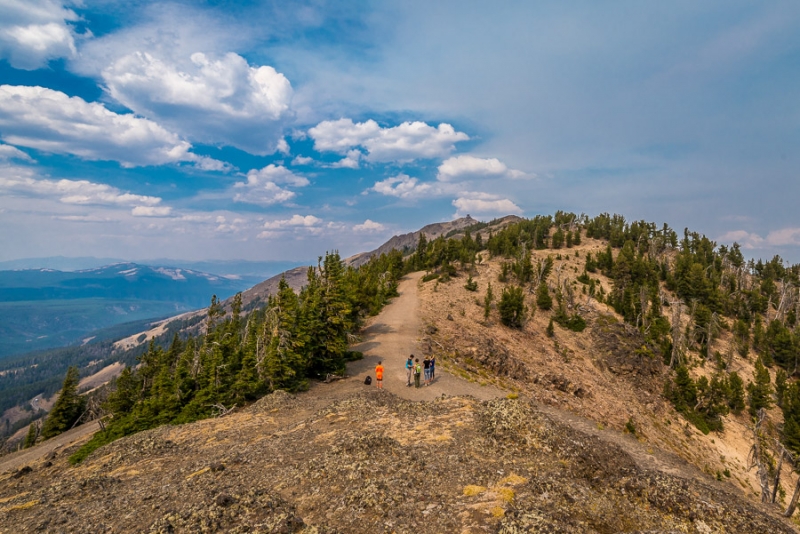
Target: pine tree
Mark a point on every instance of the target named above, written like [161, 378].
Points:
[512, 307]
[285, 363]
[487, 302]
[543, 299]
[780, 386]
[791, 418]
[759, 392]
[68, 407]
[30, 438]
[736, 400]
[335, 318]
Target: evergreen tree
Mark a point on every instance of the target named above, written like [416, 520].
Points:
[335, 318]
[736, 399]
[30, 437]
[284, 363]
[471, 284]
[543, 299]
[550, 331]
[487, 302]
[68, 407]
[759, 392]
[791, 418]
[512, 307]
[780, 386]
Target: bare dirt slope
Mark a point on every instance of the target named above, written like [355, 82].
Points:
[344, 457]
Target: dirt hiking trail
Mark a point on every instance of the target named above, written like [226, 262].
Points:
[392, 336]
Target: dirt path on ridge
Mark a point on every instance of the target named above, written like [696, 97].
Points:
[392, 336]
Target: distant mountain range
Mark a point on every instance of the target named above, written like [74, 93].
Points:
[43, 308]
[260, 270]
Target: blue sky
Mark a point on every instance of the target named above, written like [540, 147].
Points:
[278, 130]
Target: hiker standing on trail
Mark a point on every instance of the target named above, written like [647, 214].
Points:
[417, 372]
[426, 365]
[379, 375]
[409, 370]
[433, 367]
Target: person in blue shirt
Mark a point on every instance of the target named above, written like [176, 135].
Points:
[409, 370]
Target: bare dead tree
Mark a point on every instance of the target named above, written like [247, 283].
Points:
[219, 410]
[677, 335]
[783, 453]
[643, 301]
[756, 457]
[569, 294]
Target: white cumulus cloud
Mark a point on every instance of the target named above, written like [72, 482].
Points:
[403, 143]
[476, 202]
[23, 181]
[277, 174]
[32, 32]
[369, 226]
[51, 121]
[348, 162]
[216, 100]
[295, 221]
[467, 167]
[402, 186]
[302, 160]
[262, 186]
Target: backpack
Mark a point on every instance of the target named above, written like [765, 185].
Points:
[368, 381]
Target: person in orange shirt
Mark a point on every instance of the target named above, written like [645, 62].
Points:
[379, 375]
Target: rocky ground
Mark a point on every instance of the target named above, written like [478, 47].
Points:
[369, 462]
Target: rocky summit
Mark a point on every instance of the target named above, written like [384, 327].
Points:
[345, 458]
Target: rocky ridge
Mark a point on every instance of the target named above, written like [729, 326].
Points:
[344, 458]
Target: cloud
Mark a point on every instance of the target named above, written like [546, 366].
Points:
[295, 221]
[369, 226]
[23, 181]
[277, 174]
[348, 162]
[784, 236]
[205, 163]
[403, 143]
[215, 100]
[475, 202]
[262, 186]
[466, 167]
[307, 223]
[402, 186]
[302, 160]
[264, 194]
[776, 238]
[9, 152]
[51, 121]
[83, 218]
[32, 32]
[151, 211]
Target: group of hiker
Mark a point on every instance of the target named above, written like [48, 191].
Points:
[423, 373]
[415, 369]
